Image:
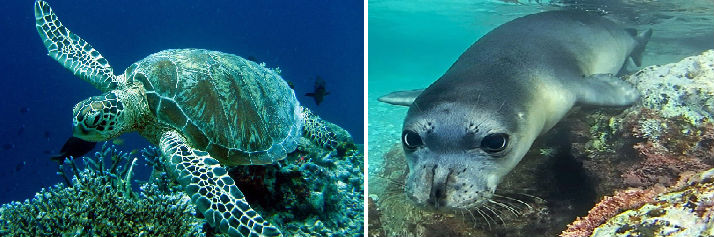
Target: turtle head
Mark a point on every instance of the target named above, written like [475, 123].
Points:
[99, 118]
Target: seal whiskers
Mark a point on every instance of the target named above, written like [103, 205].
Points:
[494, 213]
[509, 208]
[513, 199]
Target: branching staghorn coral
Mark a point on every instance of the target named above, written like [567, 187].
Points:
[99, 201]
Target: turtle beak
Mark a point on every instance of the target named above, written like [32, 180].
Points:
[81, 132]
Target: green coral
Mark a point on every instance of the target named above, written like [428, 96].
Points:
[99, 201]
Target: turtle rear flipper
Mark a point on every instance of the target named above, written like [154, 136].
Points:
[212, 190]
[323, 134]
[71, 51]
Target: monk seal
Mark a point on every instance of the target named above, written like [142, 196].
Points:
[469, 128]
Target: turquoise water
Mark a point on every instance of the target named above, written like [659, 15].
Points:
[411, 43]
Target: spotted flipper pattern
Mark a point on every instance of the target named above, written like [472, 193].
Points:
[314, 128]
[72, 51]
[212, 190]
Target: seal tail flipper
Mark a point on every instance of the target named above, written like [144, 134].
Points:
[71, 51]
[642, 39]
[212, 190]
[604, 90]
[404, 98]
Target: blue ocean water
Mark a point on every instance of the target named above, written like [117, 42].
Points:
[304, 39]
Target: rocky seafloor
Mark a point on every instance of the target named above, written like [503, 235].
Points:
[313, 192]
[637, 171]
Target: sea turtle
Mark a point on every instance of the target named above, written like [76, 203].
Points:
[202, 108]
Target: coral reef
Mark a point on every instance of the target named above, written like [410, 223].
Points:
[313, 192]
[99, 201]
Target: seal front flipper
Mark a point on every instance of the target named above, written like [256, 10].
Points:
[404, 98]
[605, 90]
[642, 39]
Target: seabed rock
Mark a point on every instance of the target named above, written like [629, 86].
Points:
[632, 156]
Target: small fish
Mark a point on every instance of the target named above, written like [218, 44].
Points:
[8, 146]
[24, 110]
[19, 166]
[252, 58]
[74, 147]
[21, 130]
[47, 135]
[47, 152]
[290, 84]
[319, 92]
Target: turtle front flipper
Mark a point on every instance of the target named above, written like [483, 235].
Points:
[71, 51]
[324, 133]
[212, 190]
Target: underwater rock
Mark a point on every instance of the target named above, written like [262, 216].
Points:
[685, 88]
[373, 219]
[668, 132]
[685, 209]
[634, 153]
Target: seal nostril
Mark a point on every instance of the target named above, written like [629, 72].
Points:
[439, 193]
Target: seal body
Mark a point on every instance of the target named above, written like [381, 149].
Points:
[468, 129]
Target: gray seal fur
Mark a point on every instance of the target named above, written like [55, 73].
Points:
[508, 88]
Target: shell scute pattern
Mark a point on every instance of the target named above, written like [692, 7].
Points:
[238, 111]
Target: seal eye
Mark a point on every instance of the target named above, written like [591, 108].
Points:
[494, 142]
[411, 139]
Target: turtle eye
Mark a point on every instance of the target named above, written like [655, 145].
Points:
[92, 120]
[494, 142]
[411, 139]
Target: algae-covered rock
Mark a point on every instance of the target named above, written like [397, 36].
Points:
[684, 211]
[685, 88]
[667, 132]
[630, 154]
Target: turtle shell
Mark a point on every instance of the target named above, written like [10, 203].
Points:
[235, 109]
